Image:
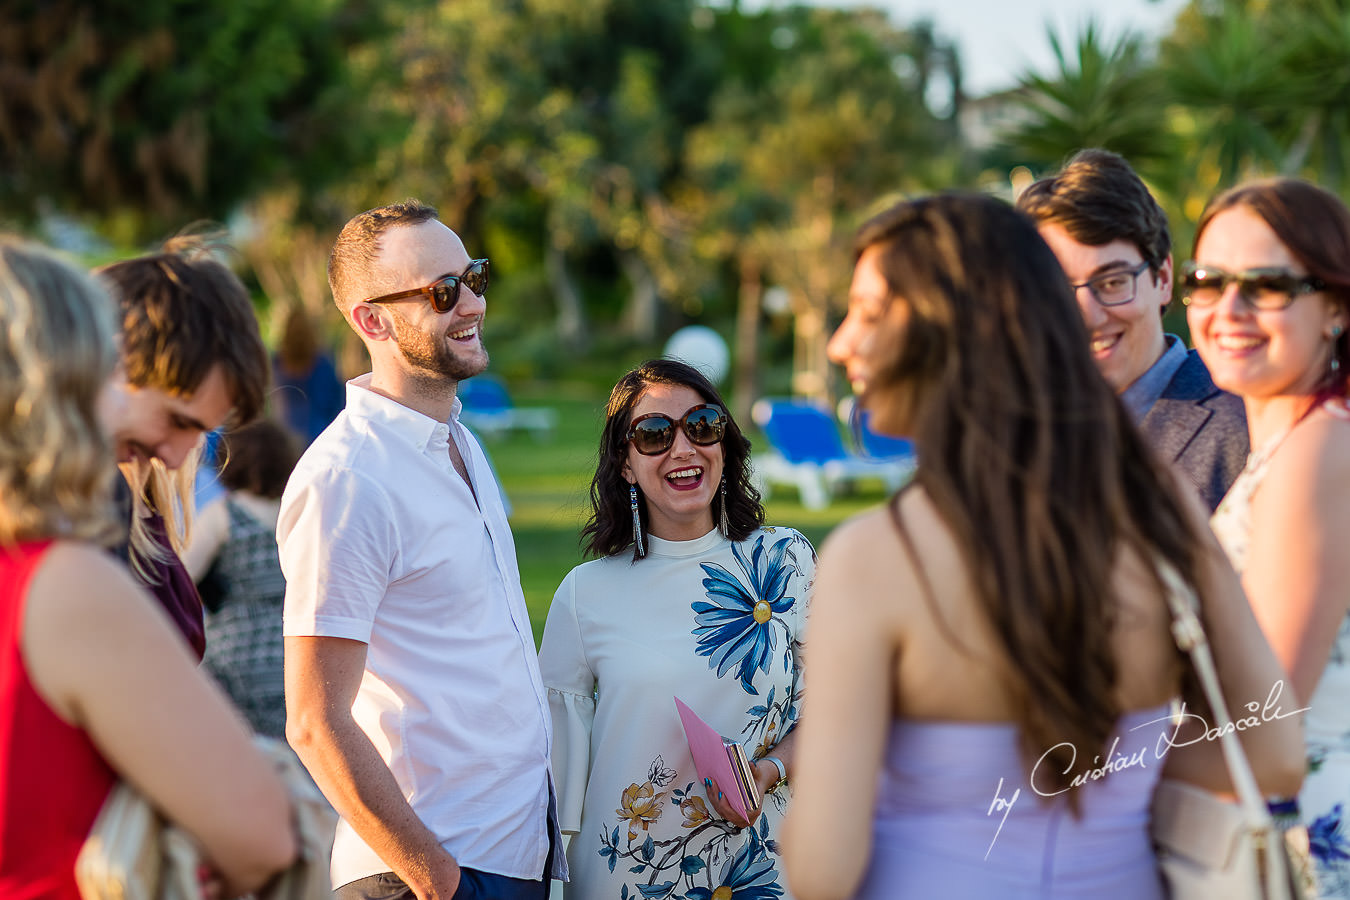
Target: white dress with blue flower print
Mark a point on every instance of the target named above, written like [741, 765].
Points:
[1324, 801]
[716, 623]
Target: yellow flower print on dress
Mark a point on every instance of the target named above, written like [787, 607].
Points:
[767, 743]
[641, 806]
[705, 858]
[695, 811]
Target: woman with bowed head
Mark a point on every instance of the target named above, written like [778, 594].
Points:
[234, 560]
[991, 662]
[95, 683]
[690, 596]
[1268, 302]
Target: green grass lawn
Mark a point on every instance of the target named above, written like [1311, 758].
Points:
[548, 483]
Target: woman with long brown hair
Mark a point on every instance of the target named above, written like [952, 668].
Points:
[990, 653]
[1268, 301]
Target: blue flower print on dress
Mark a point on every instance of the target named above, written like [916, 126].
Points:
[738, 625]
[749, 875]
[1327, 839]
[1330, 848]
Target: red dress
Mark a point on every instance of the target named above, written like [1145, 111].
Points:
[52, 780]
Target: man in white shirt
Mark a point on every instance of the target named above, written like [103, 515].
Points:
[412, 689]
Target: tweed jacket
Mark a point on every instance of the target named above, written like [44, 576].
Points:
[1200, 428]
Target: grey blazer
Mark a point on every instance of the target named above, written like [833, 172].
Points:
[1200, 428]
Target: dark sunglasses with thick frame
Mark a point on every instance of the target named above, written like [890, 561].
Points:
[1269, 288]
[654, 433]
[444, 292]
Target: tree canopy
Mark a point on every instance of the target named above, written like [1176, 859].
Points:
[630, 165]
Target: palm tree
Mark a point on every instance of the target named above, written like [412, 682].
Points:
[1100, 95]
[1238, 89]
[1318, 35]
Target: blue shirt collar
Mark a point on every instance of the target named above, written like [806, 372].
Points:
[1147, 388]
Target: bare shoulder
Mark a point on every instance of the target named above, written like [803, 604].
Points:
[867, 557]
[1314, 459]
[80, 579]
[82, 597]
[84, 608]
[857, 537]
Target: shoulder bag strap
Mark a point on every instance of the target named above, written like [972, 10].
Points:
[1190, 637]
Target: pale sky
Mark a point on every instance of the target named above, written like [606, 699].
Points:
[1000, 39]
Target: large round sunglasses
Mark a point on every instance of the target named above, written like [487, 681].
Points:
[654, 433]
[444, 293]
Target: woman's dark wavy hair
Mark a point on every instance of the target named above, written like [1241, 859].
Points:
[1314, 225]
[1026, 453]
[258, 458]
[610, 528]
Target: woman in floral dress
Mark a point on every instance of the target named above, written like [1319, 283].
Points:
[1268, 301]
[690, 596]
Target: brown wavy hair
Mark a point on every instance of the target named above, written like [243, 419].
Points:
[258, 458]
[610, 527]
[1025, 452]
[1315, 225]
[182, 312]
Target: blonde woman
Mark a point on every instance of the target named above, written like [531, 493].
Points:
[1268, 301]
[94, 682]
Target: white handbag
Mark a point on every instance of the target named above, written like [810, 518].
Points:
[133, 853]
[1209, 847]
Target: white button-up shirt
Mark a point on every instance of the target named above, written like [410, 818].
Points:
[382, 542]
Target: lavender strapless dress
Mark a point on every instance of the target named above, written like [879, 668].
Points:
[939, 830]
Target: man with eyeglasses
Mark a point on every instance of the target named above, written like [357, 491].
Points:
[412, 688]
[1114, 244]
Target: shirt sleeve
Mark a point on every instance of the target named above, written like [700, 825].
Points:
[338, 543]
[571, 699]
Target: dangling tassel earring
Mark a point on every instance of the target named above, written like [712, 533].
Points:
[637, 521]
[1335, 359]
[723, 525]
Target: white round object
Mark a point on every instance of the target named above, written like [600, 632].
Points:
[702, 348]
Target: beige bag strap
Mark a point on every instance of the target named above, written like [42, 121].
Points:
[1189, 635]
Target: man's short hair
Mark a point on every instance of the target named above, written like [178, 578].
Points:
[183, 312]
[352, 272]
[1097, 198]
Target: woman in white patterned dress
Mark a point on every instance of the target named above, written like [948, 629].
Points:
[690, 596]
[1268, 301]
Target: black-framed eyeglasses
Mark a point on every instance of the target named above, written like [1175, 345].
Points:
[1269, 288]
[654, 433]
[444, 292]
[1114, 288]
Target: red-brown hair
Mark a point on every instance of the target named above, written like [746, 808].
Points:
[1314, 225]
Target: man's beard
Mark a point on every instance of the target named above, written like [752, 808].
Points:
[431, 355]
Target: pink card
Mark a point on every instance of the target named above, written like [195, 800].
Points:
[715, 757]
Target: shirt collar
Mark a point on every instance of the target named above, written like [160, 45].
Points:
[408, 424]
[1147, 388]
[660, 547]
